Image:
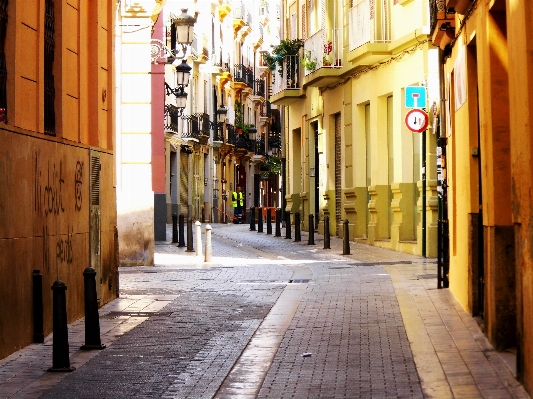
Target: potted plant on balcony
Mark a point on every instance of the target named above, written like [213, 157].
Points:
[279, 52]
[326, 60]
[308, 63]
[270, 168]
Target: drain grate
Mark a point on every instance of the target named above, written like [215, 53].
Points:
[114, 315]
[384, 263]
[426, 276]
[299, 281]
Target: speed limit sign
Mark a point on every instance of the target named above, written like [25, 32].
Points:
[416, 120]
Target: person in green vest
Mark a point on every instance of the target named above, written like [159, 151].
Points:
[237, 202]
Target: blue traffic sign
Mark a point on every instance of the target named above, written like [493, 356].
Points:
[415, 97]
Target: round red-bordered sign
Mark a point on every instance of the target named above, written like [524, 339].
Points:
[417, 120]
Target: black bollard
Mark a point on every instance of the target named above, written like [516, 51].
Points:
[311, 240]
[92, 318]
[60, 357]
[181, 230]
[346, 239]
[174, 228]
[38, 324]
[326, 233]
[278, 222]
[297, 234]
[269, 221]
[259, 219]
[190, 247]
[252, 218]
[288, 225]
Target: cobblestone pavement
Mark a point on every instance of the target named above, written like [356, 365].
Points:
[272, 318]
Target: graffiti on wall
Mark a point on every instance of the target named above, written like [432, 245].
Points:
[49, 188]
[50, 198]
[64, 253]
[78, 182]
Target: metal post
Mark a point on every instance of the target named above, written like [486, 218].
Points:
[38, 325]
[198, 237]
[278, 222]
[259, 219]
[208, 247]
[326, 233]
[252, 218]
[92, 318]
[269, 221]
[288, 224]
[181, 230]
[311, 240]
[174, 228]
[346, 238]
[424, 193]
[190, 247]
[60, 355]
[297, 235]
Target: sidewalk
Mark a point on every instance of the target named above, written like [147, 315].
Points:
[246, 319]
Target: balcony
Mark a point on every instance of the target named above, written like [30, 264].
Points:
[322, 58]
[442, 23]
[369, 33]
[286, 85]
[459, 6]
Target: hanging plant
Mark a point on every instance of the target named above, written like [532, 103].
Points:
[271, 168]
[279, 52]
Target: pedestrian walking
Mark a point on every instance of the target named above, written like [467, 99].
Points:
[237, 202]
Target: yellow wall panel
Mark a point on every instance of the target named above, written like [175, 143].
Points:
[103, 38]
[103, 14]
[28, 12]
[71, 115]
[26, 60]
[74, 4]
[26, 104]
[71, 78]
[70, 30]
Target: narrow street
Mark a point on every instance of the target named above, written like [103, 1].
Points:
[273, 318]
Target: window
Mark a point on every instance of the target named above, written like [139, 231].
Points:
[49, 86]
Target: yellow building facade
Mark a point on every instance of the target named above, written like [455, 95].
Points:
[350, 155]
[57, 202]
[488, 70]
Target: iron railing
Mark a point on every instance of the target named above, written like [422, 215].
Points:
[244, 74]
[288, 76]
[365, 26]
[324, 49]
[259, 87]
[49, 86]
[3, 67]
[265, 109]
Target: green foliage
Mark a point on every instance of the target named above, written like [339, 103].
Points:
[308, 63]
[279, 52]
[271, 167]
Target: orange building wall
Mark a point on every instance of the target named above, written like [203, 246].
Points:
[44, 180]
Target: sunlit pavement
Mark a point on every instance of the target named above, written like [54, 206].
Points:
[272, 318]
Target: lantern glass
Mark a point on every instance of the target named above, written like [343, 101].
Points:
[183, 73]
[221, 114]
[181, 100]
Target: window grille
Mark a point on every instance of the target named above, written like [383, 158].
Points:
[49, 87]
[3, 67]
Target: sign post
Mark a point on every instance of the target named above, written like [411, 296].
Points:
[417, 121]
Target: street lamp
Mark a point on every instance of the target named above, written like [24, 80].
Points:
[184, 25]
[183, 73]
[221, 114]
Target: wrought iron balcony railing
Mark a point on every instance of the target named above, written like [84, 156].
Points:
[323, 50]
[365, 26]
[259, 87]
[244, 74]
[265, 109]
[288, 76]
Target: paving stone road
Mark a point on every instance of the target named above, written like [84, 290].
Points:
[271, 318]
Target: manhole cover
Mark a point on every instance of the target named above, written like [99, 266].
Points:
[114, 315]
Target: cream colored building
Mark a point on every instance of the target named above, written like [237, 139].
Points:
[348, 151]
[486, 131]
